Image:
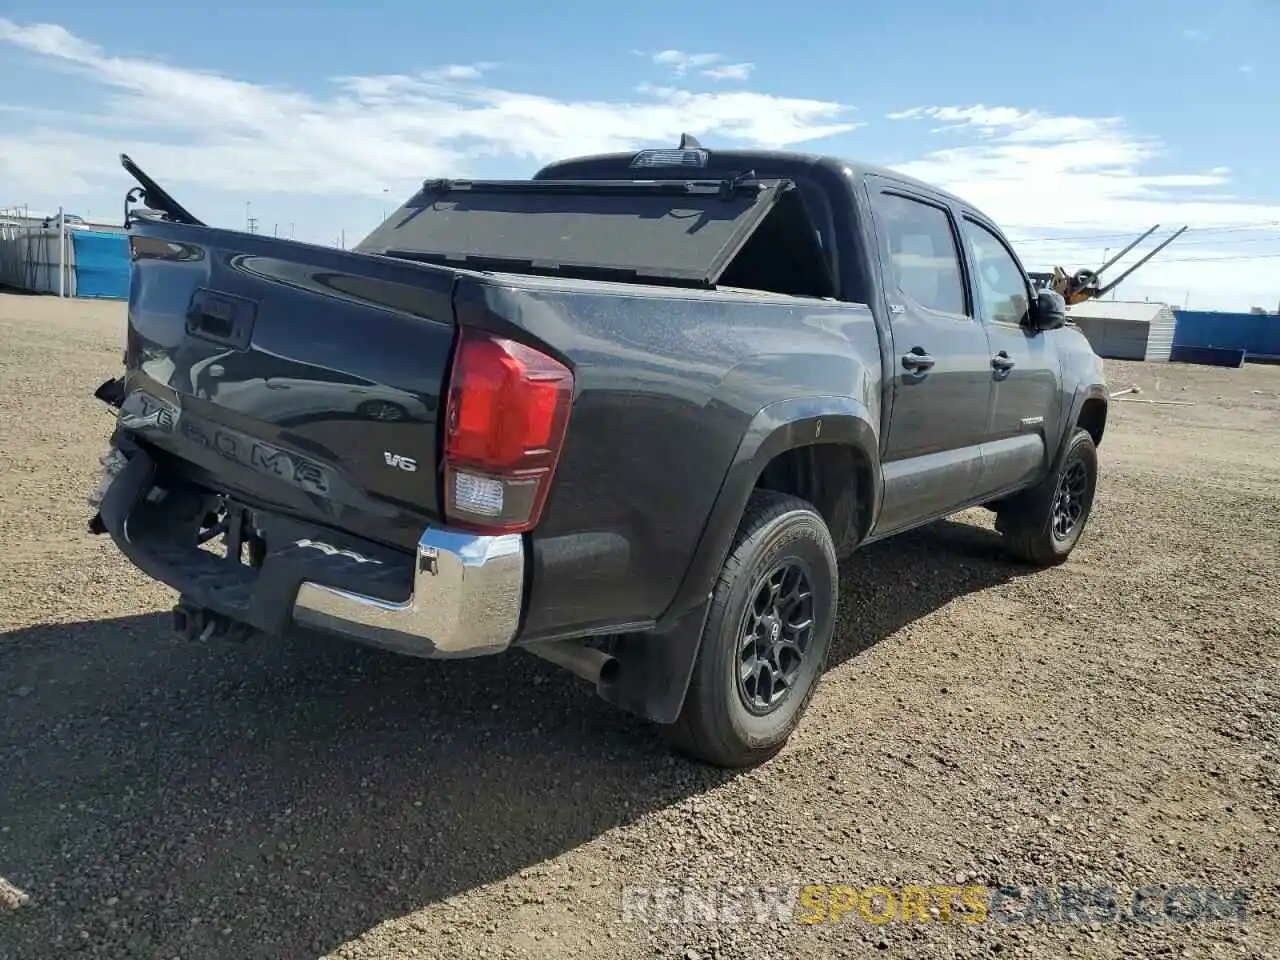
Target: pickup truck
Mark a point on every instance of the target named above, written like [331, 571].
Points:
[627, 415]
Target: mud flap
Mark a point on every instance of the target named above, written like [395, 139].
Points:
[654, 669]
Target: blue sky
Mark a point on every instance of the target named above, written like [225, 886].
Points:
[1087, 124]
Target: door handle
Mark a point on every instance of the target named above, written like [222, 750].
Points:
[1002, 361]
[917, 360]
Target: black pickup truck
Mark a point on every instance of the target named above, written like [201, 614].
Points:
[626, 415]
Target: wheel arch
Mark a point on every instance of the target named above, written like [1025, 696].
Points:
[833, 476]
[1093, 417]
[1089, 407]
[799, 446]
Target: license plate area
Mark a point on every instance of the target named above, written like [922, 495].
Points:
[229, 531]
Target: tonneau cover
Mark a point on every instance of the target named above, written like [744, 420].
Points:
[684, 232]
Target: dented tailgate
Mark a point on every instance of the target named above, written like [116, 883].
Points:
[294, 375]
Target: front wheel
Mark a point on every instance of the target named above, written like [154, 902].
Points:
[765, 642]
[1043, 525]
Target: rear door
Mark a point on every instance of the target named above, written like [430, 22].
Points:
[941, 360]
[1024, 364]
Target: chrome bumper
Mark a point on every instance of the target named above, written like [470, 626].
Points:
[467, 592]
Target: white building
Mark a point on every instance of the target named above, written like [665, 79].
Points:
[1126, 330]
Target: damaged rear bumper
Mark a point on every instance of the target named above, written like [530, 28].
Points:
[457, 595]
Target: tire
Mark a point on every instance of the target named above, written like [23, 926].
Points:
[786, 537]
[1032, 523]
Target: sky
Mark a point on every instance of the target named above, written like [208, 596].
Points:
[1076, 129]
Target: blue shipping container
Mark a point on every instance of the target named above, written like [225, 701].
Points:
[101, 264]
[1254, 333]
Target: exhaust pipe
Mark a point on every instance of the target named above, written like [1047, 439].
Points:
[595, 666]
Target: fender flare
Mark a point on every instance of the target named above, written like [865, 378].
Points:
[655, 667]
[1094, 391]
[779, 427]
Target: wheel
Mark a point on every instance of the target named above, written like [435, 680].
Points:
[1043, 525]
[765, 642]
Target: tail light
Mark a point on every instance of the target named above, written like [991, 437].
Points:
[505, 422]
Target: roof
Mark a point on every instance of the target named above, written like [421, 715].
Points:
[854, 167]
[1147, 312]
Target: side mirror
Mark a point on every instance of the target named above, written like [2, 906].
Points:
[1049, 312]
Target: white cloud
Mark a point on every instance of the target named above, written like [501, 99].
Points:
[1246, 69]
[361, 135]
[681, 62]
[1042, 175]
[218, 140]
[730, 71]
[707, 64]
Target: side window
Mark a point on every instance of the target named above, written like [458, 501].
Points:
[1004, 292]
[922, 256]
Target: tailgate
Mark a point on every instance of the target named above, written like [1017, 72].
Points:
[292, 375]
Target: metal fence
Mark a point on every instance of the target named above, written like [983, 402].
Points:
[35, 253]
[66, 256]
[1255, 333]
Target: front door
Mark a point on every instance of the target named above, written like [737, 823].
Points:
[1023, 366]
[941, 384]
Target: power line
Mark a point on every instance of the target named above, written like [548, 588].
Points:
[1215, 243]
[1208, 243]
[1226, 259]
[1230, 228]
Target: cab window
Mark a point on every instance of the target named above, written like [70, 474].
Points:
[922, 257]
[1004, 293]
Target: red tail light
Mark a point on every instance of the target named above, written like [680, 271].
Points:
[505, 421]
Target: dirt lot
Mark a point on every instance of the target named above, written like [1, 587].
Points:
[1115, 722]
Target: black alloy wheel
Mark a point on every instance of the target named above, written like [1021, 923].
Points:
[777, 633]
[1069, 500]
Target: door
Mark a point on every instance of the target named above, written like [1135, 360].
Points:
[941, 360]
[1023, 367]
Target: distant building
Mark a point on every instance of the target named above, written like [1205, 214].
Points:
[1126, 330]
[93, 260]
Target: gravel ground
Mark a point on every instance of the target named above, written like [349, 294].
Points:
[1115, 721]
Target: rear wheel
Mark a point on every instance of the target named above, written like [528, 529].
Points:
[767, 636]
[1043, 525]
